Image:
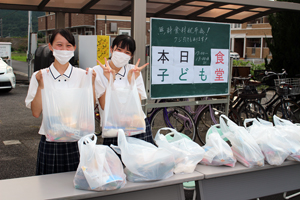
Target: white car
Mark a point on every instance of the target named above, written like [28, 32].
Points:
[234, 55]
[7, 77]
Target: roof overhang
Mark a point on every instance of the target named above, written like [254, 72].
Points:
[231, 11]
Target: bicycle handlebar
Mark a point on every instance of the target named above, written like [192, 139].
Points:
[277, 74]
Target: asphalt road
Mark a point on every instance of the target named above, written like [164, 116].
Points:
[19, 130]
[17, 125]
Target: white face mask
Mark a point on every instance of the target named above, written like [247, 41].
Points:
[62, 56]
[120, 59]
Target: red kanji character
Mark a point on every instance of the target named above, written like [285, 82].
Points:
[219, 72]
[219, 58]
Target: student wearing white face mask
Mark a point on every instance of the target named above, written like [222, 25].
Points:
[122, 50]
[55, 157]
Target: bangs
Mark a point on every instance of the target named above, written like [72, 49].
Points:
[125, 42]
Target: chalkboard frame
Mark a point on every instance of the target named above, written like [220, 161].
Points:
[169, 91]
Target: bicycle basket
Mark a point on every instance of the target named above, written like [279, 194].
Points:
[249, 89]
[250, 92]
[287, 86]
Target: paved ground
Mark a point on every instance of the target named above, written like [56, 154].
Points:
[18, 126]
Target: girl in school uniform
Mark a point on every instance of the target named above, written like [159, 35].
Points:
[55, 157]
[122, 50]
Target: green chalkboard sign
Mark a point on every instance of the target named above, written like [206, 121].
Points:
[189, 58]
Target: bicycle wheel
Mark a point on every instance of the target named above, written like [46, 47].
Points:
[234, 116]
[288, 109]
[252, 109]
[203, 123]
[173, 117]
[98, 129]
[266, 101]
[208, 118]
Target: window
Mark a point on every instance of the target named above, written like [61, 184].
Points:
[88, 33]
[235, 26]
[253, 50]
[125, 32]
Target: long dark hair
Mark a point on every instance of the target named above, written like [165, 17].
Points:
[124, 41]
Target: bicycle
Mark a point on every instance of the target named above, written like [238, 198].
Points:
[271, 93]
[185, 118]
[244, 101]
[174, 117]
[207, 115]
[286, 108]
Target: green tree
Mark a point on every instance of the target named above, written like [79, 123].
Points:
[285, 45]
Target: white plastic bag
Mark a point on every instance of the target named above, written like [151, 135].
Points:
[217, 151]
[244, 147]
[99, 168]
[143, 160]
[286, 126]
[290, 132]
[68, 114]
[270, 141]
[122, 110]
[187, 153]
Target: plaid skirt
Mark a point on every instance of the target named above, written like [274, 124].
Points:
[147, 136]
[56, 157]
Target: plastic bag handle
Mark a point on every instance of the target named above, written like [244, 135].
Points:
[253, 120]
[264, 122]
[111, 83]
[281, 122]
[89, 83]
[87, 140]
[131, 84]
[44, 73]
[224, 125]
[122, 142]
[167, 128]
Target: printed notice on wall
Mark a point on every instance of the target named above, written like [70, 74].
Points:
[175, 65]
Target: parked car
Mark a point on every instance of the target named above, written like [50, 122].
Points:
[234, 55]
[7, 77]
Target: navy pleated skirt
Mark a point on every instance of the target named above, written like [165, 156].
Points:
[56, 157]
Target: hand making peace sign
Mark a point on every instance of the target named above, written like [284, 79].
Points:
[136, 70]
[107, 69]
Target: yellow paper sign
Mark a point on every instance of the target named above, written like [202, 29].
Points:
[102, 48]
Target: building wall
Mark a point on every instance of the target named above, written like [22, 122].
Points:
[82, 19]
[42, 24]
[50, 22]
[266, 53]
[121, 24]
[249, 52]
[83, 24]
[67, 20]
[253, 32]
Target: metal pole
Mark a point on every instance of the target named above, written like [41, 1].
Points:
[29, 45]
[138, 31]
